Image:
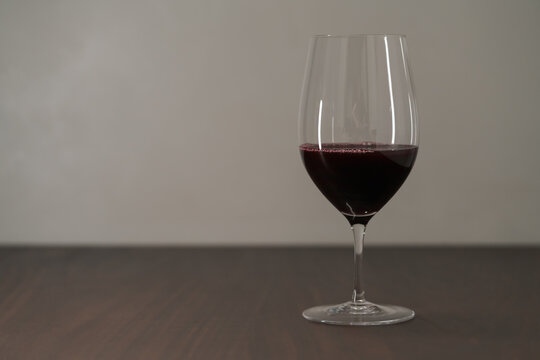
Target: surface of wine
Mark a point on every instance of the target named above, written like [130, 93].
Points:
[358, 179]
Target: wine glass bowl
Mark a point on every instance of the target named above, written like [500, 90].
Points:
[358, 139]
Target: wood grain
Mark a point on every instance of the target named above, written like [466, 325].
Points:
[189, 303]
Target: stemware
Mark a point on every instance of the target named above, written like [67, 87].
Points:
[358, 138]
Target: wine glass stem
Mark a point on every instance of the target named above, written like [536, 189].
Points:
[359, 232]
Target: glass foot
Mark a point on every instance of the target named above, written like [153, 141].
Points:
[359, 313]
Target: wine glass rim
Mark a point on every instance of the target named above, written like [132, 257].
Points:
[330, 36]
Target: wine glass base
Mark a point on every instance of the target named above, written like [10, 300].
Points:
[360, 314]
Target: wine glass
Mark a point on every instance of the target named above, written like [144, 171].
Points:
[358, 138]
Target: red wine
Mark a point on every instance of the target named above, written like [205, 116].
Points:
[358, 179]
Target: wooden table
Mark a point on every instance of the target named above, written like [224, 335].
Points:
[246, 303]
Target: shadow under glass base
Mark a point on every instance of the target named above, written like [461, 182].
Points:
[359, 313]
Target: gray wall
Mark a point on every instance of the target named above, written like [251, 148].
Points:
[174, 122]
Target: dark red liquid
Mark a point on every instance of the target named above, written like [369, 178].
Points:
[358, 179]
